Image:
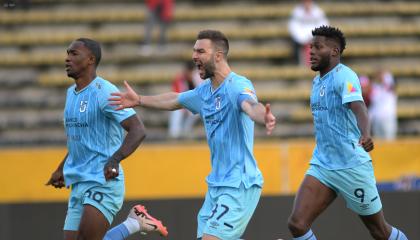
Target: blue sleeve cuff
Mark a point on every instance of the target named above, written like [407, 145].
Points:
[352, 98]
[243, 97]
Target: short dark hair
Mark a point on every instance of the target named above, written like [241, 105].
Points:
[331, 33]
[219, 40]
[94, 47]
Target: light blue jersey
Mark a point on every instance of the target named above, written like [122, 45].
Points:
[336, 131]
[229, 130]
[93, 131]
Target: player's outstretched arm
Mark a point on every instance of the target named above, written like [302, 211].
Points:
[57, 177]
[128, 99]
[260, 114]
[360, 111]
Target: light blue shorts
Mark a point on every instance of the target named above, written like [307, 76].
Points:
[356, 185]
[226, 211]
[106, 198]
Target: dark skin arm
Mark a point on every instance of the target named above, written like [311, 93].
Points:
[135, 135]
[360, 111]
[57, 177]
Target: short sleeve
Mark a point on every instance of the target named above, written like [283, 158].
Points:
[242, 90]
[351, 90]
[105, 90]
[191, 100]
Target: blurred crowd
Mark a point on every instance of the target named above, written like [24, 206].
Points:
[381, 99]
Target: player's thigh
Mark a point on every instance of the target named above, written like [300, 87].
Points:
[70, 235]
[209, 237]
[107, 198]
[204, 214]
[74, 212]
[93, 224]
[313, 197]
[358, 188]
[232, 210]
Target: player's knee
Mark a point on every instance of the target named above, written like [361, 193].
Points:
[83, 235]
[297, 226]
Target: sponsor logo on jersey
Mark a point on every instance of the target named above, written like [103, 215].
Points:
[351, 88]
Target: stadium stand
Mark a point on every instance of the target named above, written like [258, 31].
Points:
[33, 43]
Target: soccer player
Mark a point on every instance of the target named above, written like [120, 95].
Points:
[96, 147]
[228, 106]
[340, 163]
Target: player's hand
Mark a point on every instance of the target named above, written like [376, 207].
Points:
[56, 179]
[126, 99]
[111, 169]
[367, 143]
[270, 120]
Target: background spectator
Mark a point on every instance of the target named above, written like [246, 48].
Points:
[366, 89]
[305, 17]
[383, 108]
[182, 121]
[161, 12]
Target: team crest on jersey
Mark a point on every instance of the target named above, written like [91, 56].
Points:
[83, 106]
[218, 103]
[322, 91]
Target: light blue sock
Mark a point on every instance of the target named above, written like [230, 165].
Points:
[119, 232]
[308, 236]
[397, 235]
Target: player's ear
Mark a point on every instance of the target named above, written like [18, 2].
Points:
[219, 55]
[92, 59]
[335, 51]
